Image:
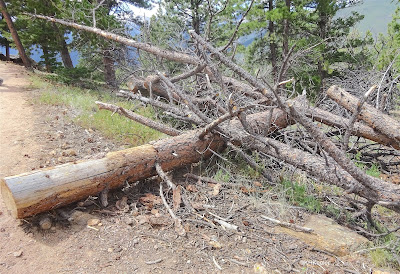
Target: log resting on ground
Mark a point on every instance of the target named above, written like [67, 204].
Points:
[370, 115]
[34, 192]
[383, 193]
[42, 190]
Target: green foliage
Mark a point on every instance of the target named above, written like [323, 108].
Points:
[322, 41]
[383, 258]
[222, 175]
[384, 251]
[372, 170]
[297, 194]
[78, 76]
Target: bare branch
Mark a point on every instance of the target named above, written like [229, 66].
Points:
[139, 118]
[354, 117]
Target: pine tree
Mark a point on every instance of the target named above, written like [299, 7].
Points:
[14, 34]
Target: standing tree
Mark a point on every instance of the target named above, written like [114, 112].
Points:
[322, 42]
[106, 15]
[14, 34]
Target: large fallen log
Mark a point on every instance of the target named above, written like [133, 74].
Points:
[383, 193]
[370, 115]
[34, 192]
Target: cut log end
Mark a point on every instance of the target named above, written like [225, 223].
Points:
[8, 199]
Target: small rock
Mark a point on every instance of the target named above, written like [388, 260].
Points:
[327, 235]
[110, 249]
[69, 152]
[129, 221]
[45, 223]
[64, 146]
[93, 222]
[17, 253]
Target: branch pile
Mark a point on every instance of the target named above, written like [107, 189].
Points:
[238, 111]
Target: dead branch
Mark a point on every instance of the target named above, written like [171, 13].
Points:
[288, 225]
[354, 117]
[139, 118]
[167, 54]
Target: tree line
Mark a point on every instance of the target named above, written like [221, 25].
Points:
[260, 35]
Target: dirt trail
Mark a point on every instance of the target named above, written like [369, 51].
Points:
[19, 147]
[17, 123]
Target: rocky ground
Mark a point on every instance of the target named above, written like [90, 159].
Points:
[134, 233]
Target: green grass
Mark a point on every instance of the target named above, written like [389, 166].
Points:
[385, 256]
[297, 194]
[87, 115]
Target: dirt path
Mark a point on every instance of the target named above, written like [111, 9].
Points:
[17, 123]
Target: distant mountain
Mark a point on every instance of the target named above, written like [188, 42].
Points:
[378, 14]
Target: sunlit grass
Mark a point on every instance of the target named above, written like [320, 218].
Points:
[87, 115]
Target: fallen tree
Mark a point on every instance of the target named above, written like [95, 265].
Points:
[34, 192]
[252, 116]
[372, 116]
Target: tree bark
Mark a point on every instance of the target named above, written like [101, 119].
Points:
[316, 114]
[34, 192]
[382, 193]
[370, 115]
[7, 51]
[46, 58]
[64, 52]
[286, 28]
[14, 34]
[167, 54]
[272, 44]
[109, 70]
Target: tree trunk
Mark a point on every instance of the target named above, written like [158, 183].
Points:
[109, 71]
[286, 28]
[7, 51]
[34, 192]
[64, 52]
[46, 58]
[317, 114]
[14, 35]
[381, 193]
[272, 44]
[176, 56]
[370, 115]
[195, 15]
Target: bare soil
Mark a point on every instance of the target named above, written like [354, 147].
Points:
[135, 234]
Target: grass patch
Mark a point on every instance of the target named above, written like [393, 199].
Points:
[386, 255]
[297, 195]
[87, 115]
